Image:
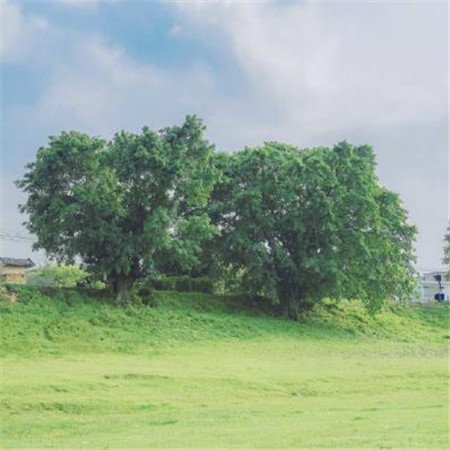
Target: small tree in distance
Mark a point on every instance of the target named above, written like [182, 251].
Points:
[446, 259]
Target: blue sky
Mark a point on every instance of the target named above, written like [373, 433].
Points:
[307, 73]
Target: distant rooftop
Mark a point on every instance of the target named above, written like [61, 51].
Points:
[16, 262]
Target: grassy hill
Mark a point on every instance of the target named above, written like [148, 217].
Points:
[188, 370]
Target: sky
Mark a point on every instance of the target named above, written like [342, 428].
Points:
[306, 73]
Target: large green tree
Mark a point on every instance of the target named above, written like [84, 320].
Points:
[298, 226]
[120, 206]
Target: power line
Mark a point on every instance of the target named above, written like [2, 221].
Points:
[17, 237]
[21, 238]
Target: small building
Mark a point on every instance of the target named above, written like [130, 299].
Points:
[430, 283]
[12, 270]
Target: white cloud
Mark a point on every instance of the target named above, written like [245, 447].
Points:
[176, 30]
[334, 66]
[95, 86]
[91, 5]
[18, 31]
[101, 90]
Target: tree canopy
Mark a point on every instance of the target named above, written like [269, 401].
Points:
[121, 205]
[298, 226]
[292, 225]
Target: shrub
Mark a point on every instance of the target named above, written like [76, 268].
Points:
[55, 276]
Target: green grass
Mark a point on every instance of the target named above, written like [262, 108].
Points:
[203, 371]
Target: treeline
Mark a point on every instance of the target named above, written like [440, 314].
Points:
[294, 225]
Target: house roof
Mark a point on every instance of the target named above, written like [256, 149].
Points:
[16, 262]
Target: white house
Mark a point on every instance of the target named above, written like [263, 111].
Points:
[429, 286]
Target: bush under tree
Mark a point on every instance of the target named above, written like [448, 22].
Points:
[55, 276]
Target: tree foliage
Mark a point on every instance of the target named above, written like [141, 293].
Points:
[293, 225]
[298, 226]
[121, 205]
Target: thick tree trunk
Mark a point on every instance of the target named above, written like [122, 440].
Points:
[290, 308]
[121, 287]
[290, 296]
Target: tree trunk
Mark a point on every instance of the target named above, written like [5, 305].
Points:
[290, 295]
[290, 308]
[122, 286]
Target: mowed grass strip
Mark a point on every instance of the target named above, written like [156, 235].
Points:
[253, 382]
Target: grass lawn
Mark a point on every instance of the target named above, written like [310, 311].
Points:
[198, 371]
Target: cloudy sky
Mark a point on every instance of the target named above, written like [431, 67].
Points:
[307, 73]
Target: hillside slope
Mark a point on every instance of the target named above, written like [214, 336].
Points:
[39, 321]
[201, 371]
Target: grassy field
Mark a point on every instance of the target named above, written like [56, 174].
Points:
[201, 371]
